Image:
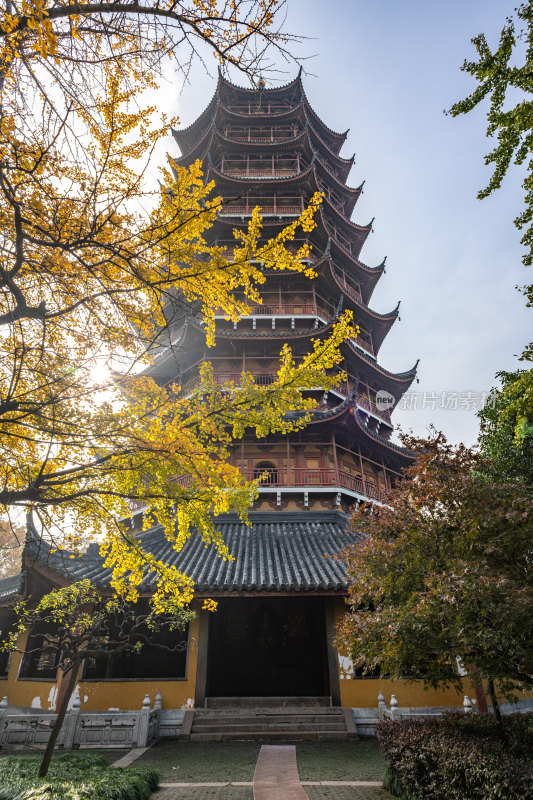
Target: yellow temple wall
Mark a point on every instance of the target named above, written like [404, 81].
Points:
[363, 692]
[99, 695]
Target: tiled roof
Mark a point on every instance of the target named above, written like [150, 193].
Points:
[278, 552]
[10, 588]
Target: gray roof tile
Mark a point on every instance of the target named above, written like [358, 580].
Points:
[277, 552]
[10, 588]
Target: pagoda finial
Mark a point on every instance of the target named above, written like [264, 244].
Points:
[300, 71]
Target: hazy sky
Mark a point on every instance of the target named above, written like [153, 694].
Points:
[387, 70]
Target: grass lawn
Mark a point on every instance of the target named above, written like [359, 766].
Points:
[190, 762]
[110, 755]
[73, 776]
[340, 761]
[187, 762]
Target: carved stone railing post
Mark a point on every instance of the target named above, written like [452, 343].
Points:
[3, 713]
[394, 709]
[467, 705]
[144, 722]
[382, 705]
[71, 723]
[158, 706]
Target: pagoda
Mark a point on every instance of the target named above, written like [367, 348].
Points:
[268, 148]
[271, 639]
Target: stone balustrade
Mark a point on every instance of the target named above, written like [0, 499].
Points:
[113, 728]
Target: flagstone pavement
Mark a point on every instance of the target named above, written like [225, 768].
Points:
[275, 778]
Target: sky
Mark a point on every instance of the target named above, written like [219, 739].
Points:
[387, 71]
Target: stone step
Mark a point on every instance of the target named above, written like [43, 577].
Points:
[279, 736]
[273, 712]
[310, 719]
[271, 727]
[266, 702]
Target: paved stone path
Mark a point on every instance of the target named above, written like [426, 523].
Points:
[275, 778]
[233, 791]
[276, 774]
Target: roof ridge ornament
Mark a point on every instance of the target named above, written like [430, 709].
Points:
[31, 530]
[328, 248]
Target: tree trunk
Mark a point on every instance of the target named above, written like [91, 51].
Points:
[47, 756]
[496, 709]
[495, 704]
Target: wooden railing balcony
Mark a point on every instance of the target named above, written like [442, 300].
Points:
[253, 136]
[340, 239]
[353, 289]
[292, 246]
[256, 107]
[322, 477]
[292, 310]
[271, 208]
[266, 172]
[261, 379]
[366, 402]
[267, 378]
[308, 478]
[362, 400]
[360, 342]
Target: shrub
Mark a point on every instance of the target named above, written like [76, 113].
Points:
[458, 758]
[73, 776]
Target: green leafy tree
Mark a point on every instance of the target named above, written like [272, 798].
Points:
[81, 624]
[442, 574]
[506, 436]
[505, 75]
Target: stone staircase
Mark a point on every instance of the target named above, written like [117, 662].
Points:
[274, 724]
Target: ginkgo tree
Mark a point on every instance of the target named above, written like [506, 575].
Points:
[92, 255]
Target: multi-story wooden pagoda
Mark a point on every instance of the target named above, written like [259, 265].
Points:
[268, 148]
[278, 599]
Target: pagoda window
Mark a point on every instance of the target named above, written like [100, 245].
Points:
[41, 658]
[267, 471]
